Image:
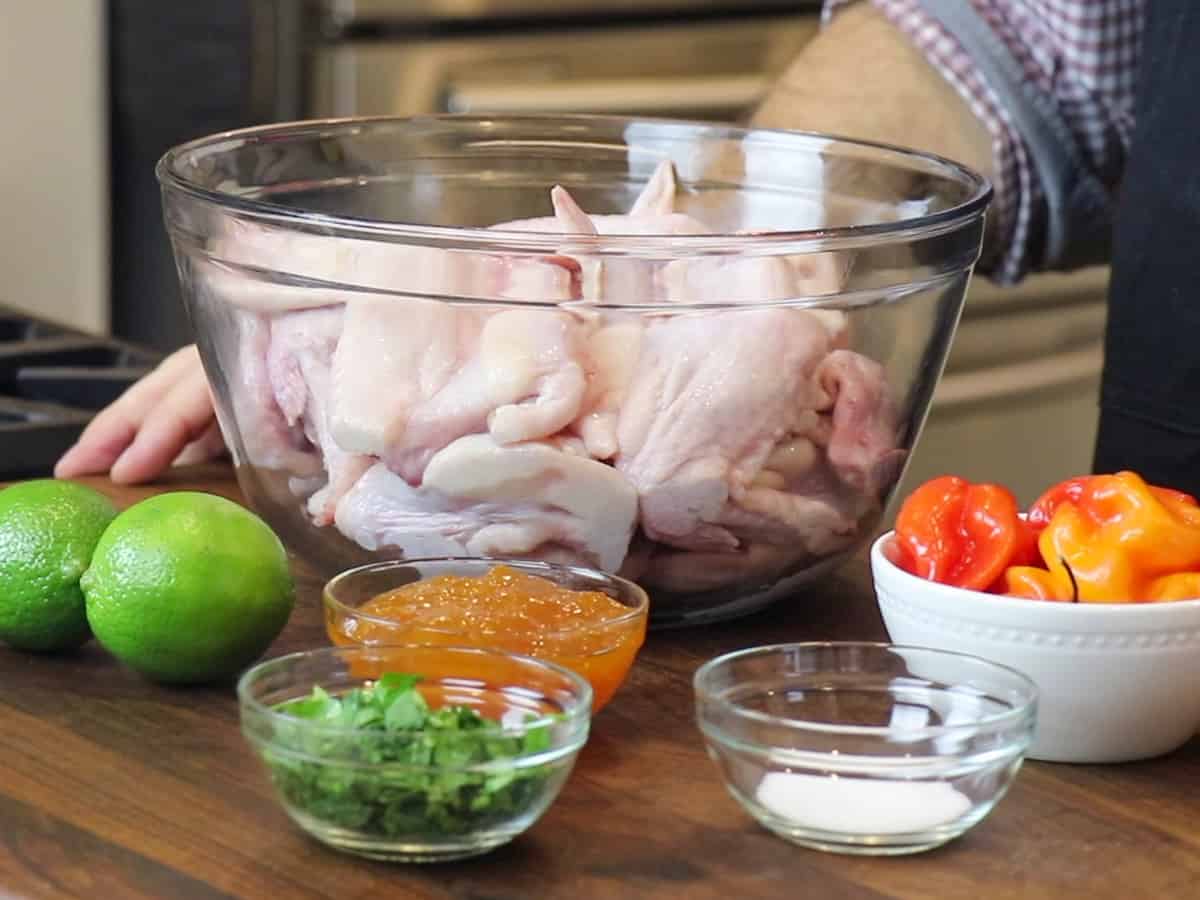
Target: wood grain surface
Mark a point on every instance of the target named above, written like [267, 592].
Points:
[112, 787]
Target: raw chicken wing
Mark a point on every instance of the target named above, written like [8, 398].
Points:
[300, 361]
[524, 381]
[480, 498]
[712, 396]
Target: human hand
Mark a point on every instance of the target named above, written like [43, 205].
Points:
[164, 418]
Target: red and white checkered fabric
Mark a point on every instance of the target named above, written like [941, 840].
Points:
[1081, 54]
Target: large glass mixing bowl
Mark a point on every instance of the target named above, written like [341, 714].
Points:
[694, 354]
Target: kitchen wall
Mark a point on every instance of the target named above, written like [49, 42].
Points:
[1019, 400]
[54, 161]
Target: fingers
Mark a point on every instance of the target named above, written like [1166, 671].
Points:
[115, 429]
[208, 446]
[181, 417]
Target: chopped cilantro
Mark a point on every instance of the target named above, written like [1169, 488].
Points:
[404, 769]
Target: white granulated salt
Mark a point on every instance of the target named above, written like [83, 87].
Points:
[861, 806]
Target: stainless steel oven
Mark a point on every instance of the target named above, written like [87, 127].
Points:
[708, 59]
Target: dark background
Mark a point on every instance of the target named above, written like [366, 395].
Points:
[178, 71]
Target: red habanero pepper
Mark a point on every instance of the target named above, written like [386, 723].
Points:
[962, 534]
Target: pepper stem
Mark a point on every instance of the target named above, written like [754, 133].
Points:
[1074, 583]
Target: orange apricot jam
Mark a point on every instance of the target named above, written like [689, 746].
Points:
[586, 631]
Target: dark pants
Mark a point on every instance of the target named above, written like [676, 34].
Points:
[1150, 400]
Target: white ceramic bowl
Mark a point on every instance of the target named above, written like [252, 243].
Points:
[1117, 682]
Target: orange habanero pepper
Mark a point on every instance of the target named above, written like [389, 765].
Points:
[1034, 583]
[1112, 539]
[1043, 508]
[1180, 586]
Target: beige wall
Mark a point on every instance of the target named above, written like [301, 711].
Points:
[53, 160]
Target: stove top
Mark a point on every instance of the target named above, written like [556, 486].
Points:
[52, 381]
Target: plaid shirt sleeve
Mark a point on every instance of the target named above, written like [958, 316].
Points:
[1080, 54]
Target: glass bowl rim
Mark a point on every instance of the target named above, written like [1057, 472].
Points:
[639, 611]
[979, 188]
[577, 716]
[1015, 714]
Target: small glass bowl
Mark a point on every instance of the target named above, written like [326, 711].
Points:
[603, 655]
[330, 781]
[864, 748]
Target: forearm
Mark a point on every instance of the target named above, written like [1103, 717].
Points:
[1049, 126]
[861, 77]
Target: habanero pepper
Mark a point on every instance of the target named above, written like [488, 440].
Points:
[962, 534]
[1042, 510]
[1180, 586]
[1034, 583]
[1114, 538]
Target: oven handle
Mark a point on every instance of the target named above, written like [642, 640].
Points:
[632, 95]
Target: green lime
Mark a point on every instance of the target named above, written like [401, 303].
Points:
[48, 530]
[188, 587]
